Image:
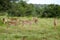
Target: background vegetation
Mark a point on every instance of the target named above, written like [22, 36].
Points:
[21, 8]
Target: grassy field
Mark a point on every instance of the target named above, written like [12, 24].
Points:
[43, 30]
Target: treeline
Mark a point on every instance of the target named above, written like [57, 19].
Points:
[21, 8]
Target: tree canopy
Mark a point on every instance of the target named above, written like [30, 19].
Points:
[22, 8]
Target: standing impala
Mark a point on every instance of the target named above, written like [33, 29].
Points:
[55, 22]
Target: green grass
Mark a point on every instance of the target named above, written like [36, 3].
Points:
[44, 30]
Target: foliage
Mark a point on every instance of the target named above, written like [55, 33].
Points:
[21, 8]
[51, 11]
[4, 5]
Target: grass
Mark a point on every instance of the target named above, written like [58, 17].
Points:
[44, 30]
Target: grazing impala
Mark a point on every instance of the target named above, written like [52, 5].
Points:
[29, 22]
[35, 20]
[13, 21]
[4, 20]
[26, 22]
[10, 21]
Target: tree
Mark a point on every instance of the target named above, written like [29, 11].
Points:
[51, 10]
[18, 9]
[5, 5]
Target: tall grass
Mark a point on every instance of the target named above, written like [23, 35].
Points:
[44, 30]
